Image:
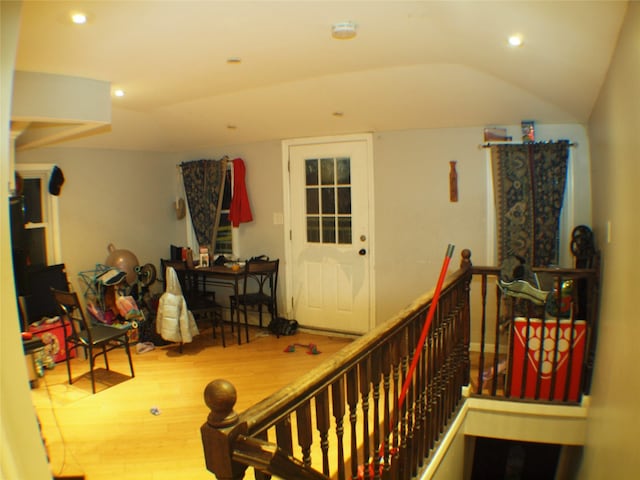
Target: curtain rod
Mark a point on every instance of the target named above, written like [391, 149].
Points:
[179, 165]
[489, 144]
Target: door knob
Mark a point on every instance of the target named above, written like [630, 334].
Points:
[362, 251]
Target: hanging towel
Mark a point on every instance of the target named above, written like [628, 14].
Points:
[240, 211]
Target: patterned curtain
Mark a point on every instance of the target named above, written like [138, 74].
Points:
[204, 186]
[529, 182]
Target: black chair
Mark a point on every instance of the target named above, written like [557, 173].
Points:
[95, 340]
[262, 274]
[201, 302]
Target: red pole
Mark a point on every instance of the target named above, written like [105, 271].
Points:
[427, 324]
[423, 338]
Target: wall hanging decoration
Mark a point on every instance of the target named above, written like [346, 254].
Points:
[453, 182]
[528, 131]
[529, 182]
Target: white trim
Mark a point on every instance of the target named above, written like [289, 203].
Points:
[286, 191]
[492, 236]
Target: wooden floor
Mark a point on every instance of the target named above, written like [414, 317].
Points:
[114, 435]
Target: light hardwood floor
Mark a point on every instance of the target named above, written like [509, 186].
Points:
[113, 434]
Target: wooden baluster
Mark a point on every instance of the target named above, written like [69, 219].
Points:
[376, 359]
[496, 342]
[365, 385]
[398, 348]
[284, 438]
[483, 333]
[338, 404]
[219, 430]
[407, 349]
[410, 400]
[431, 394]
[305, 432]
[558, 336]
[352, 400]
[466, 314]
[258, 474]
[322, 424]
[420, 409]
[386, 422]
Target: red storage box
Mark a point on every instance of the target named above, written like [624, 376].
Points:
[541, 340]
[52, 335]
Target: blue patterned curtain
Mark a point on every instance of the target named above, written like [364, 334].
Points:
[529, 182]
[204, 186]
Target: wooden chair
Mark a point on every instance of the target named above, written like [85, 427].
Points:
[262, 274]
[95, 340]
[201, 302]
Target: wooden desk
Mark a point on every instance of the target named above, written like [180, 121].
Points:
[221, 276]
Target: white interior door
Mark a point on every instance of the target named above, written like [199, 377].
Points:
[330, 247]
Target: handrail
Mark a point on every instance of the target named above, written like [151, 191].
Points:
[361, 383]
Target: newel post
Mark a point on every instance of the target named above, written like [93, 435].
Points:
[220, 431]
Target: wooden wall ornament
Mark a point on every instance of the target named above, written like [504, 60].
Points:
[453, 182]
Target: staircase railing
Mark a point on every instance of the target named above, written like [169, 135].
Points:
[342, 419]
[526, 351]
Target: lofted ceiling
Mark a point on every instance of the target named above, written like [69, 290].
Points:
[419, 64]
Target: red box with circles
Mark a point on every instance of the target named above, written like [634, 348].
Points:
[52, 335]
[535, 354]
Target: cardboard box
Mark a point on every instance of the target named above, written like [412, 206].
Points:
[52, 335]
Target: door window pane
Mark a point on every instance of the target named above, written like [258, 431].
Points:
[344, 200]
[344, 230]
[343, 171]
[328, 201]
[311, 171]
[328, 174]
[313, 202]
[328, 230]
[313, 229]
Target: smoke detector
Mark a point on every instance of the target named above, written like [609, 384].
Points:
[343, 30]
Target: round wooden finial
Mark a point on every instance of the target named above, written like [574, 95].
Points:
[220, 396]
[466, 257]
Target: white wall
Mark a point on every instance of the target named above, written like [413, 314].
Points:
[612, 445]
[415, 221]
[123, 198]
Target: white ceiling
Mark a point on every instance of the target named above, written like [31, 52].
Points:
[420, 64]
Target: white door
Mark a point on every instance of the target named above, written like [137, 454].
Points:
[328, 274]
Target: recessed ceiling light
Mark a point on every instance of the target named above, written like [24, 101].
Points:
[234, 60]
[338, 114]
[79, 18]
[343, 30]
[515, 40]
[231, 127]
[118, 92]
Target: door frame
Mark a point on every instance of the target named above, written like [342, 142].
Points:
[286, 190]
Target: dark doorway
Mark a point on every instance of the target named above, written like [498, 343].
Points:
[495, 459]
